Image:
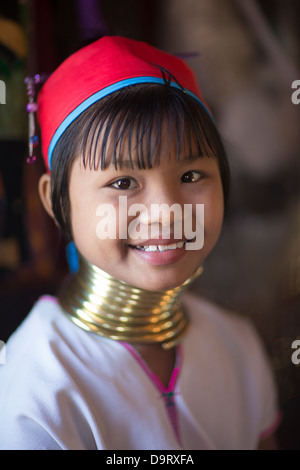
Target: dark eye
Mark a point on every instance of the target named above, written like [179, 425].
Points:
[191, 177]
[124, 183]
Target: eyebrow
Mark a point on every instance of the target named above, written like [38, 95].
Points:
[124, 164]
[191, 158]
[133, 165]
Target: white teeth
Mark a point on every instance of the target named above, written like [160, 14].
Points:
[164, 247]
[159, 248]
[180, 244]
[150, 248]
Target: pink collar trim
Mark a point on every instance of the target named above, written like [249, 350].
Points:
[154, 378]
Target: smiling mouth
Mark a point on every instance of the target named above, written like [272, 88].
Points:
[159, 248]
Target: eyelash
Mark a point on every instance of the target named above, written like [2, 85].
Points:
[117, 183]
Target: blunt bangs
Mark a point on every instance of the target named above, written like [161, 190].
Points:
[134, 122]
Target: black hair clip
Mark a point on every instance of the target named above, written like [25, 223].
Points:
[33, 140]
[168, 77]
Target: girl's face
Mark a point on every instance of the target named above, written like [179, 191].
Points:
[147, 244]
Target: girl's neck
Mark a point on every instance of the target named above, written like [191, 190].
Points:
[101, 304]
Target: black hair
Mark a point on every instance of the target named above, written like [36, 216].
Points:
[139, 116]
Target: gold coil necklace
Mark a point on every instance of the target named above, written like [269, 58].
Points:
[101, 304]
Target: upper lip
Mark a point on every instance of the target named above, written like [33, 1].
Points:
[159, 241]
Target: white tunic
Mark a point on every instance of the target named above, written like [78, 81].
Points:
[65, 388]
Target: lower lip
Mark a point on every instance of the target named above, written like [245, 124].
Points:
[160, 258]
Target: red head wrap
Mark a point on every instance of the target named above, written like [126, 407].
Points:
[97, 70]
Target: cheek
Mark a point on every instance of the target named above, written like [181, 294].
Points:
[213, 215]
[213, 212]
[83, 222]
[112, 220]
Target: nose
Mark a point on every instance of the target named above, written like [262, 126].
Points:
[163, 212]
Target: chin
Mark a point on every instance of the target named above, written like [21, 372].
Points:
[161, 282]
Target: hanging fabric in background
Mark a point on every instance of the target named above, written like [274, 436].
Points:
[13, 53]
[91, 23]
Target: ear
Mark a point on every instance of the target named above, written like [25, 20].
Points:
[45, 193]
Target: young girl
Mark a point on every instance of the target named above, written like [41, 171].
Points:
[123, 358]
